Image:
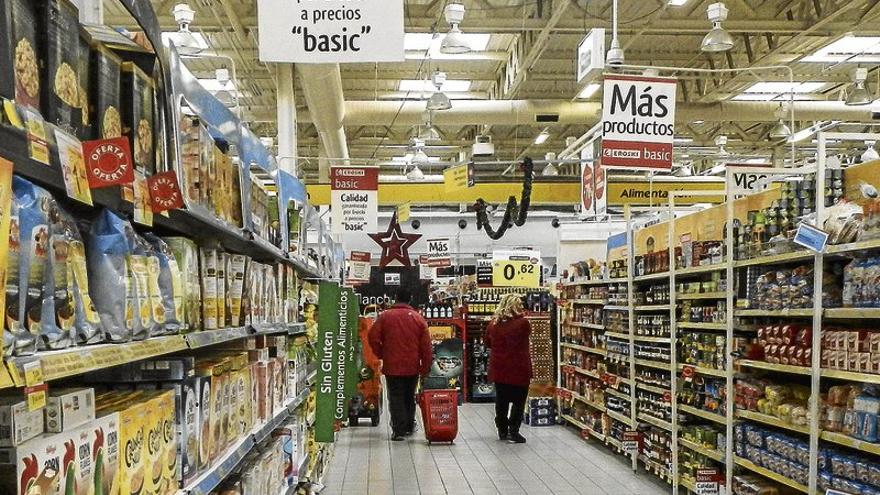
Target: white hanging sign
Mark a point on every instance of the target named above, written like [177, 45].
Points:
[746, 183]
[331, 31]
[359, 267]
[438, 253]
[638, 122]
[354, 196]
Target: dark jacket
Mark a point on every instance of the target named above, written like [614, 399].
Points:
[400, 339]
[510, 361]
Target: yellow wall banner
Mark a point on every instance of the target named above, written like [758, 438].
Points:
[656, 193]
[459, 177]
[433, 193]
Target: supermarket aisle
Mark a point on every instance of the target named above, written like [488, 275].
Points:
[554, 461]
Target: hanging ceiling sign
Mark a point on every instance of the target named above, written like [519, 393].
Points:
[438, 253]
[594, 201]
[745, 183]
[330, 31]
[459, 177]
[359, 267]
[638, 122]
[591, 56]
[354, 199]
[516, 268]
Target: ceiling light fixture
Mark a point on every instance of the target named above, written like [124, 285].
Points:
[439, 101]
[858, 94]
[454, 43]
[870, 154]
[615, 52]
[717, 39]
[415, 174]
[542, 137]
[588, 91]
[551, 170]
[721, 142]
[781, 129]
[184, 40]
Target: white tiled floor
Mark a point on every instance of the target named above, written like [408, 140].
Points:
[555, 460]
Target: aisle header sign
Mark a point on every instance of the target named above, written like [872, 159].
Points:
[521, 268]
[638, 122]
[746, 183]
[438, 253]
[459, 177]
[359, 267]
[330, 31]
[594, 200]
[354, 199]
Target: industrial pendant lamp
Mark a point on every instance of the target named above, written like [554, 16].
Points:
[429, 134]
[858, 94]
[183, 39]
[870, 154]
[550, 170]
[615, 52]
[439, 101]
[781, 129]
[454, 43]
[717, 39]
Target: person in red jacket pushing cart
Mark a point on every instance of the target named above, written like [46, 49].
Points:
[510, 365]
[401, 340]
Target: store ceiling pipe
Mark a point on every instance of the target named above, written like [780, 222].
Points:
[322, 88]
[526, 112]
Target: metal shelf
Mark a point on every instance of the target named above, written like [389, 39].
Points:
[775, 313]
[782, 368]
[653, 276]
[704, 371]
[652, 364]
[771, 421]
[594, 405]
[853, 247]
[656, 340]
[615, 307]
[775, 259]
[617, 335]
[584, 325]
[570, 419]
[694, 411]
[851, 376]
[701, 295]
[619, 417]
[652, 307]
[701, 325]
[698, 270]
[590, 302]
[659, 423]
[652, 388]
[853, 443]
[617, 393]
[713, 454]
[747, 464]
[591, 350]
[852, 313]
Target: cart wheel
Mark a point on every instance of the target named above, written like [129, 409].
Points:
[374, 420]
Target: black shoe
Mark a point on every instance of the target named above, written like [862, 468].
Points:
[502, 435]
[397, 438]
[516, 438]
[408, 434]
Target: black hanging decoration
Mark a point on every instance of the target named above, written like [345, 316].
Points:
[514, 214]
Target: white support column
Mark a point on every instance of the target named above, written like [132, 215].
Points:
[287, 145]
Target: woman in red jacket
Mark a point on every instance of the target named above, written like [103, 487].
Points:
[510, 365]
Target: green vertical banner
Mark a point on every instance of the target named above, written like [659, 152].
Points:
[351, 372]
[340, 399]
[329, 296]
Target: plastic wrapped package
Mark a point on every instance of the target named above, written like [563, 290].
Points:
[186, 254]
[71, 276]
[36, 311]
[146, 267]
[169, 282]
[108, 254]
[16, 337]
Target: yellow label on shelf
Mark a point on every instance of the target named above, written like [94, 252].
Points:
[33, 374]
[36, 397]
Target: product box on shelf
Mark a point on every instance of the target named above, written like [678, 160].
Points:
[221, 288]
[20, 58]
[138, 116]
[64, 98]
[210, 301]
[105, 71]
[163, 441]
[67, 409]
[134, 466]
[204, 391]
[187, 426]
[17, 423]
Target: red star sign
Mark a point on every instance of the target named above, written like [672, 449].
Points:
[395, 244]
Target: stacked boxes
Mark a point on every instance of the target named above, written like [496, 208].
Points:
[540, 411]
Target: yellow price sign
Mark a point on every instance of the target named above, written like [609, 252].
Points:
[516, 271]
[36, 396]
[33, 374]
[403, 212]
[458, 177]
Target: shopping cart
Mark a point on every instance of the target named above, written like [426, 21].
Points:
[439, 415]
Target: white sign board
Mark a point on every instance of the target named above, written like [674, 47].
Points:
[745, 183]
[330, 31]
[591, 56]
[354, 196]
[594, 201]
[638, 122]
[359, 267]
[438, 253]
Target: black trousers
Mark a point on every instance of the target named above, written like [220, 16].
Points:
[402, 402]
[510, 405]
